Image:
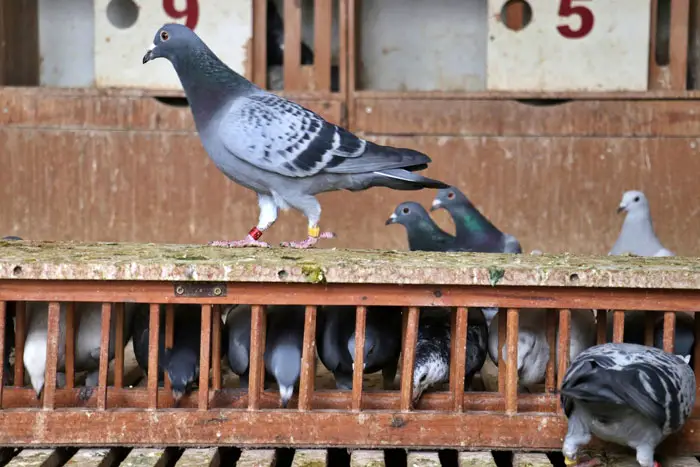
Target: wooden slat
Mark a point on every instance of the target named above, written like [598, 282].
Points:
[458, 353]
[70, 345]
[259, 49]
[292, 45]
[669, 331]
[257, 365]
[511, 390]
[209, 457]
[618, 326]
[119, 345]
[502, 322]
[216, 347]
[409, 349]
[169, 336]
[678, 44]
[531, 459]
[153, 334]
[601, 318]
[323, 38]
[476, 459]
[104, 356]
[42, 457]
[20, 337]
[649, 323]
[423, 459]
[204, 358]
[656, 72]
[308, 360]
[552, 322]
[149, 457]
[564, 344]
[307, 457]
[696, 356]
[359, 358]
[349, 45]
[96, 457]
[3, 315]
[257, 458]
[51, 354]
[364, 458]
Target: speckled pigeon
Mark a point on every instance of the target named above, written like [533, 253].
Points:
[423, 233]
[474, 231]
[284, 152]
[637, 235]
[627, 394]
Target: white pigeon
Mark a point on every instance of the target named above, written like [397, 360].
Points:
[533, 348]
[637, 235]
[88, 322]
[627, 394]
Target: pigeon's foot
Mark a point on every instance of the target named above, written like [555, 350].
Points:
[315, 235]
[248, 241]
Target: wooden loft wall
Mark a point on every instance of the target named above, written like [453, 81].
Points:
[120, 165]
[19, 42]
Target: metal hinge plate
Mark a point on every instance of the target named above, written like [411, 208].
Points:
[200, 289]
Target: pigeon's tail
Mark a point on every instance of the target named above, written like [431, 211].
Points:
[402, 179]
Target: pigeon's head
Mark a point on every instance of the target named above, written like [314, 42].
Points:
[170, 40]
[407, 213]
[430, 368]
[447, 198]
[183, 369]
[633, 202]
[285, 366]
[34, 359]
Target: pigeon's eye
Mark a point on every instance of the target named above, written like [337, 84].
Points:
[423, 378]
[450, 195]
[636, 199]
[405, 210]
[164, 35]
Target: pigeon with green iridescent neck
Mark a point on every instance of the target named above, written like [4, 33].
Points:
[423, 233]
[474, 231]
[284, 152]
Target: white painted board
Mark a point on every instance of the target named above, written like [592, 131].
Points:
[571, 45]
[225, 26]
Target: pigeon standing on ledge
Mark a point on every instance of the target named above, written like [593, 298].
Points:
[423, 233]
[284, 152]
[637, 235]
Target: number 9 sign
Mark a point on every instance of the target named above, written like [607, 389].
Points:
[190, 12]
[569, 45]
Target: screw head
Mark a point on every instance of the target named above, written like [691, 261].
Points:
[179, 290]
[217, 291]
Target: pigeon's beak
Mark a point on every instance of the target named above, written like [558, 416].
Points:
[620, 208]
[177, 395]
[285, 395]
[437, 204]
[149, 54]
[38, 393]
[391, 220]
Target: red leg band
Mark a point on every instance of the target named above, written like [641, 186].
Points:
[255, 233]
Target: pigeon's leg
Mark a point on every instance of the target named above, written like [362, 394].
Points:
[312, 210]
[578, 434]
[268, 216]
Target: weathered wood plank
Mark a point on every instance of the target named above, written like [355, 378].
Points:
[199, 458]
[93, 458]
[310, 458]
[367, 459]
[423, 459]
[680, 462]
[529, 459]
[41, 457]
[148, 457]
[257, 458]
[476, 459]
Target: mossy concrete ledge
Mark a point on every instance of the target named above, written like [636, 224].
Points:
[151, 262]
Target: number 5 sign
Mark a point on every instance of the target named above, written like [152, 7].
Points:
[226, 26]
[571, 45]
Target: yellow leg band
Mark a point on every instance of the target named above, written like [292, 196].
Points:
[568, 461]
[314, 231]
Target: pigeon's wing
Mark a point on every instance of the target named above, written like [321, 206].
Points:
[330, 348]
[596, 379]
[280, 136]
[238, 330]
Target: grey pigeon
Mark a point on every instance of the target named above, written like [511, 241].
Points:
[284, 152]
[533, 348]
[335, 341]
[284, 340]
[433, 348]
[474, 231]
[423, 233]
[627, 394]
[637, 235]
[182, 360]
[88, 323]
[635, 330]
